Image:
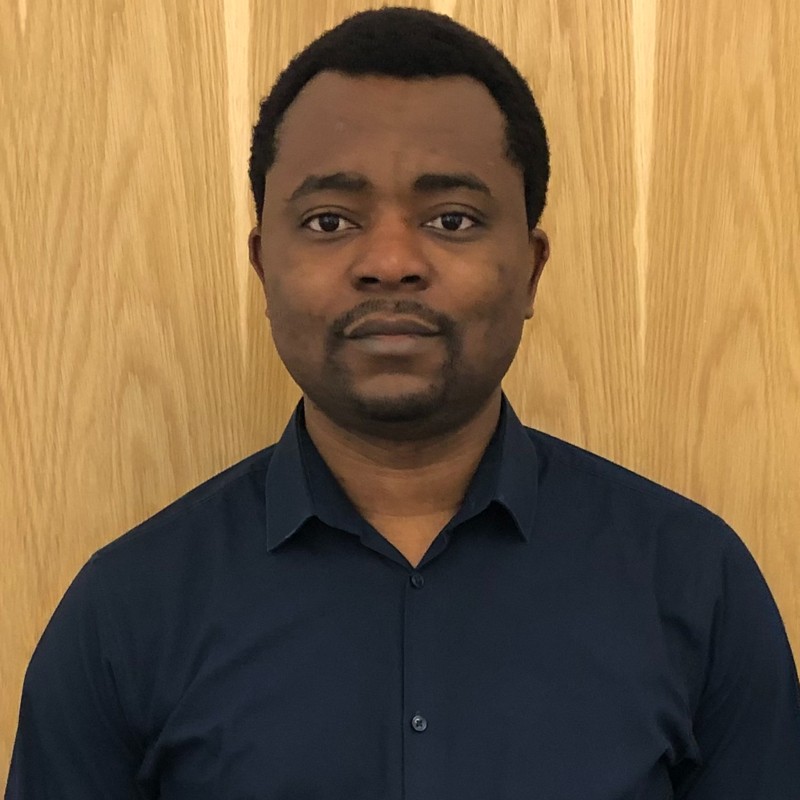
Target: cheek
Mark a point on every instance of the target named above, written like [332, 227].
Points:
[494, 326]
[297, 317]
[499, 304]
[298, 296]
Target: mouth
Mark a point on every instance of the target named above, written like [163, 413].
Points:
[397, 344]
[390, 327]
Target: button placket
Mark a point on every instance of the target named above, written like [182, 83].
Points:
[423, 745]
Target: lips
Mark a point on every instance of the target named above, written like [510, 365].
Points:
[391, 326]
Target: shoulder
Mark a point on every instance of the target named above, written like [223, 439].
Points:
[586, 467]
[616, 500]
[221, 506]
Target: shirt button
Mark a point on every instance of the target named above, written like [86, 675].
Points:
[419, 723]
[417, 581]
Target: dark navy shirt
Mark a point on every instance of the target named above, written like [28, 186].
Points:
[574, 633]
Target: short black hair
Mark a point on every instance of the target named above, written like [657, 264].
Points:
[410, 43]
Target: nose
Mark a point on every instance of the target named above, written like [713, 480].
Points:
[391, 257]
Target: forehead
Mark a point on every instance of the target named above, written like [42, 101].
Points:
[375, 124]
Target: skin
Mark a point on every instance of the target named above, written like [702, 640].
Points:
[402, 425]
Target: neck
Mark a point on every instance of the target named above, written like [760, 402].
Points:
[404, 479]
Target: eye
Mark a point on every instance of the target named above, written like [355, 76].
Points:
[452, 222]
[327, 222]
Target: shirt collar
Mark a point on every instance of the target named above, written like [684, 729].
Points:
[300, 485]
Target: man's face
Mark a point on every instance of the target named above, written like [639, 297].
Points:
[423, 221]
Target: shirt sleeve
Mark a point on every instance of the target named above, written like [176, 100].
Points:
[72, 740]
[747, 724]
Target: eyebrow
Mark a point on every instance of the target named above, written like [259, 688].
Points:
[356, 183]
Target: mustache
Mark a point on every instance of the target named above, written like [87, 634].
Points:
[414, 308]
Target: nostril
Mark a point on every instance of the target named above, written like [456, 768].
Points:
[371, 280]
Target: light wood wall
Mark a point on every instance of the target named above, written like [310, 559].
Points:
[135, 360]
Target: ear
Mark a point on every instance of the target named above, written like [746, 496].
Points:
[539, 249]
[254, 252]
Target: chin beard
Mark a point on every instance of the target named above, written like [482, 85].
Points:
[411, 407]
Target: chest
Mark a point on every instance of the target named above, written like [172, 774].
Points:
[396, 686]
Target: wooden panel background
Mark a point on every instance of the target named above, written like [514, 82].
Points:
[134, 357]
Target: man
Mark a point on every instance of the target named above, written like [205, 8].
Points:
[411, 595]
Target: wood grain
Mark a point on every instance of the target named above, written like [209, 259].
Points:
[135, 359]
